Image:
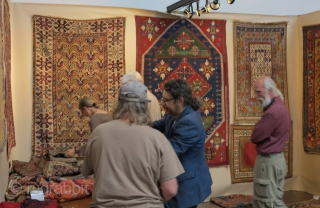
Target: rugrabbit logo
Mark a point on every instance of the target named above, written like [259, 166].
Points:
[17, 188]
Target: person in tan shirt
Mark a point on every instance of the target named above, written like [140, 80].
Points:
[133, 164]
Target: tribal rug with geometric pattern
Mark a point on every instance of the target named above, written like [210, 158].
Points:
[311, 89]
[259, 50]
[243, 154]
[73, 59]
[196, 51]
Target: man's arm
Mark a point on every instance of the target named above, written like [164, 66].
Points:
[159, 125]
[263, 128]
[185, 135]
[87, 167]
[169, 188]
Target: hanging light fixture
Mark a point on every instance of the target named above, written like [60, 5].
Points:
[206, 8]
[189, 11]
[215, 4]
[198, 11]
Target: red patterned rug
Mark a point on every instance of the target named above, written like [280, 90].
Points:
[73, 59]
[245, 201]
[307, 204]
[196, 51]
[243, 154]
[259, 50]
[311, 88]
[233, 201]
[9, 132]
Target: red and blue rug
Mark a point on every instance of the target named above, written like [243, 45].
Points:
[196, 51]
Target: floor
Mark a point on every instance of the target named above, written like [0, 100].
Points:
[289, 197]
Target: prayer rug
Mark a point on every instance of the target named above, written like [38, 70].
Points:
[196, 51]
[8, 127]
[233, 201]
[311, 87]
[243, 154]
[73, 59]
[259, 50]
[313, 203]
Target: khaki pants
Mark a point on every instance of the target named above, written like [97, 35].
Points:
[269, 174]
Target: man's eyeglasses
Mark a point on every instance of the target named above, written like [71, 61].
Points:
[166, 100]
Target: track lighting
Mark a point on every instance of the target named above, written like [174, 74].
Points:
[215, 4]
[198, 11]
[178, 4]
[206, 8]
[189, 11]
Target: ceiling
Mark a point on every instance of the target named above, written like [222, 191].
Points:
[265, 7]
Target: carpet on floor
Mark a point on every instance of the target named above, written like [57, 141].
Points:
[310, 204]
[245, 201]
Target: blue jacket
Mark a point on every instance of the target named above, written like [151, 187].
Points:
[187, 137]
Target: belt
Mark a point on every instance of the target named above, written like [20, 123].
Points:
[271, 154]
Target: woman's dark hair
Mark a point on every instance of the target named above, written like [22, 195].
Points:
[180, 88]
[87, 102]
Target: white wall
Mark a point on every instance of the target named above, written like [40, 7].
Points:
[22, 78]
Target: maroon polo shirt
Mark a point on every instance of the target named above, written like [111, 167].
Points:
[273, 129]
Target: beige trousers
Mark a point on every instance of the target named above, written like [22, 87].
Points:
[269, 174]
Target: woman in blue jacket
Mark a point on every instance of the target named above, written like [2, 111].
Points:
[183, 127]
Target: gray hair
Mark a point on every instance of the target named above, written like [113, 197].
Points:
[132, 76]
[269, 83]
[136, 112]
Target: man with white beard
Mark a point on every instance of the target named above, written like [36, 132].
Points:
[270, 135]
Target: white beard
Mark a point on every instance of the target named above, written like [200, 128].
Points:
[265, 102]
